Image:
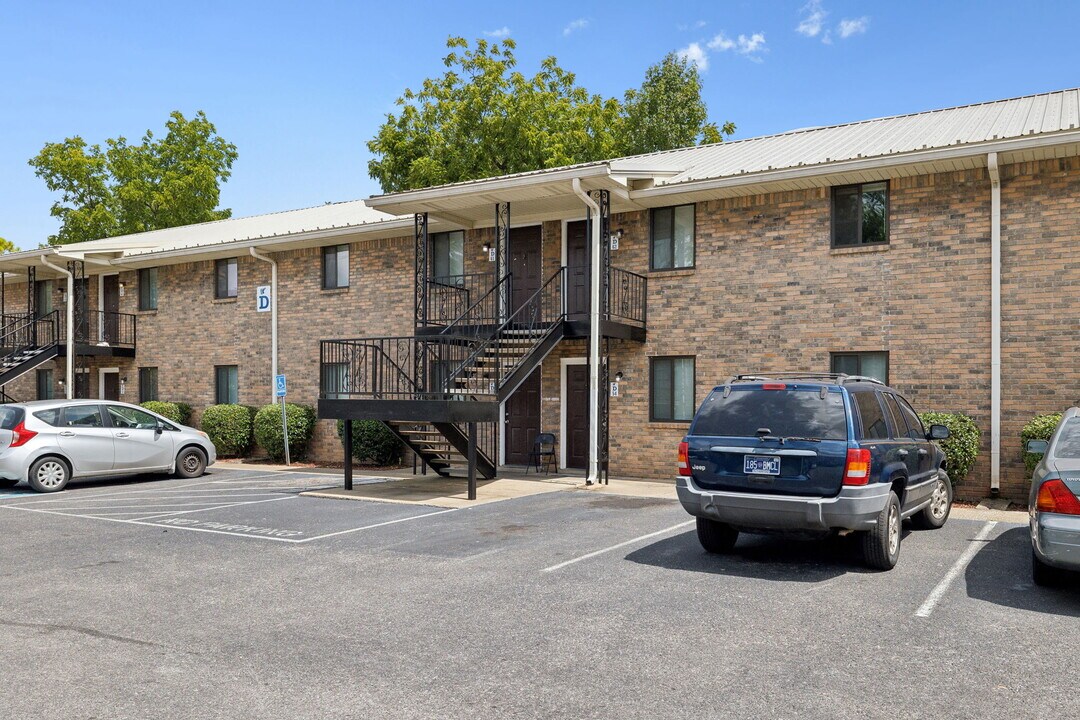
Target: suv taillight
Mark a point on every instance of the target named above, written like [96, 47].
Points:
[857, 467]
[20, 435]
[684, 458]
[1056, 497]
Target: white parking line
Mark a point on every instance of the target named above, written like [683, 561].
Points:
[378, 525]
[958, 567]
[215, 507]
[593, 554]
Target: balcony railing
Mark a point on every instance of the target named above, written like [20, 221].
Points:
[449, 296]
[389, 368]
[100, 327]
[627, 298]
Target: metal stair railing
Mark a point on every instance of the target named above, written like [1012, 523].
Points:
[484, 313]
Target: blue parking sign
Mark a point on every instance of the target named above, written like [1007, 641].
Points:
[279, 386]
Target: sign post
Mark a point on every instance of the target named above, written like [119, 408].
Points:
[280, 389]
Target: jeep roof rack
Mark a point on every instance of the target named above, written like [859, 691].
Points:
[840, 378]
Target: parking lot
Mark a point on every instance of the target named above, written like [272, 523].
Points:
[234, 596]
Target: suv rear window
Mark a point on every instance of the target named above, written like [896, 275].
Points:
[793, 412]
[10, 417]
[1068, 443]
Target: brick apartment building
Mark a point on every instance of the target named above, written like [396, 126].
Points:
[933, 250]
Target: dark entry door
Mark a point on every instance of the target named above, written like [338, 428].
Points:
[523, 420]
[577, 269]
[525, 264]
[111, 391]
[110, 304]
[577, 416]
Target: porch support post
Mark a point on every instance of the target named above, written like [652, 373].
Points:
[420, 270]
[346, 440]
[472, 461]
[502, 252]
[594, 332]
[69, 336]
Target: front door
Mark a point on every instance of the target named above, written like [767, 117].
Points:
[577, 269]
[523, 420]
[525, 264]
[576, 404]
[110, 305]
[110, 386]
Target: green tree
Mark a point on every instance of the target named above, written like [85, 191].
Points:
[483, 118]
[6, 246]
[667, 111]
[158, 183]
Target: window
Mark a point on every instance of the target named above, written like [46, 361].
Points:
[798, 411]
[915, 429]
[148, 384]
[874, 426]
[45, 385]
[869, 364]
[448, 256]
[148, 289]
[671, 388]
[672, 238]
[49, 417]
[1067, 445]
[335, 267]
[10, 417]
[335, 380]
[82, 416]
[225, 274]
[43, 291]
[128, 417]
[227, 390]
[860, 215]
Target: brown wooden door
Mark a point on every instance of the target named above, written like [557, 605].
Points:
[576, 403]
[577, 269]
[523, 420]
[111, 389]
[526, 264]
[110, 304]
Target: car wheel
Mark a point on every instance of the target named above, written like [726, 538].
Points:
[881, 546]
[1042, 574]
[937, 512]
[716, 537]
[5, 483]
[49, 474]
[190, 463]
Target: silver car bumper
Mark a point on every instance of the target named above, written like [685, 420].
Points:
[1056, 539]
[855, 508]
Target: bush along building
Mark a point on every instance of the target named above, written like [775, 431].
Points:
[601, 302]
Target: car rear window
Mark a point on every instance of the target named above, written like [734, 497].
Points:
[10, 417]
[794, 411]
[50, 417]
[1068, 442]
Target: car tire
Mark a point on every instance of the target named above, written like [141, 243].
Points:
[190, 463]
[881, 546]
[49, 474]
[716, 537]
[5, 483]
[937, 512]
[1044, 575]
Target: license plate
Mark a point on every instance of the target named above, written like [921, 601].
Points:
[761, 464]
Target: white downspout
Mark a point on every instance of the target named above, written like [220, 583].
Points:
[594, 336]
[273, 319]
[69, 328]
[995, 323]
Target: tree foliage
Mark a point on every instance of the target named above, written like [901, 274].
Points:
[483, 117]
[123, 188]
[6, 246]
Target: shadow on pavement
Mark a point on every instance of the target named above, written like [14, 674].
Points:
[765, 557]
[1001, 573]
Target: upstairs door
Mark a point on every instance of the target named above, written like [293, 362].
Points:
[110, 305]
[526, 265]
[577, 270]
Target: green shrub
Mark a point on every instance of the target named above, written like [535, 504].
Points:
[229, 428]
[301, 420]
[373, 442]
[165, 409]
[185, 413]
[1040, 427]
[962, 446]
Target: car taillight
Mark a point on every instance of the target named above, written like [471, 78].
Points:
[1056, 497]
[857, 467]
[774, 386]
[20, 435]
[684, 458]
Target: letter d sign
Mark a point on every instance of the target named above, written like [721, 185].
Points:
[262, 298]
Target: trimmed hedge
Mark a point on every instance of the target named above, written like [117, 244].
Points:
[229, 428]
[1040, 427]
[167, 410]
[301, 421]
[962, 446]
[185, 413]
[373, 442]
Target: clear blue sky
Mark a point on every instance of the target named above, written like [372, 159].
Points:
[299, 87]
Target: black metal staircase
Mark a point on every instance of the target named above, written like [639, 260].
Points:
[25, 343]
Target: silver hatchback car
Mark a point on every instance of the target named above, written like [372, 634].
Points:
[1054, 503]
[49, 442]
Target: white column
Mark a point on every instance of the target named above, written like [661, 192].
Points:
[69, 332]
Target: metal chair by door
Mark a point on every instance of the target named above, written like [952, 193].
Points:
[542, 453]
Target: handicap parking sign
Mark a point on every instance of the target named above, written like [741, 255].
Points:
[279, 385]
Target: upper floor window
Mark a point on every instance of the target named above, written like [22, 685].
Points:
[335, 264]
[226, 385]
[860, 215]
[448, 255]
[148, 289]
[672, 236]
[225, 278]
[870, 364]
[671, 389]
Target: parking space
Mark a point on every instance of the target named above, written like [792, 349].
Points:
[269, 603]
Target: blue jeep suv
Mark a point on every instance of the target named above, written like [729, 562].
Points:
[812, 453]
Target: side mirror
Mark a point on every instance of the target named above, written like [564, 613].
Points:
[939, 432]
[1036, 447]
[159, 428]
